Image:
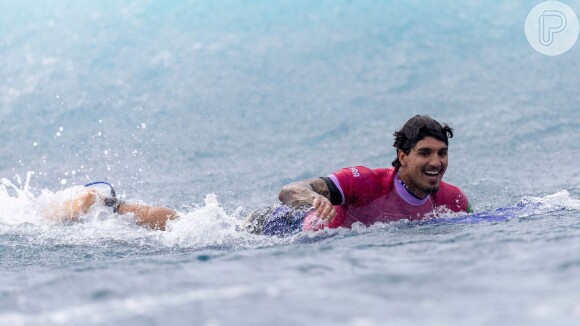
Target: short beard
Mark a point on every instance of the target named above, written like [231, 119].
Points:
[431, 191]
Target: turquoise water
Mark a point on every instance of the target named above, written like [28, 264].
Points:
[210, 107]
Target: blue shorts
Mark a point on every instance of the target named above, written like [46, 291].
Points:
[278, 220]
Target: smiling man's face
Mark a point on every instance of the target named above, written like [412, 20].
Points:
[422, 169]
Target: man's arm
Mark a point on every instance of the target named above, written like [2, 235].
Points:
[313, 192]
[145, 215]
[151, 216]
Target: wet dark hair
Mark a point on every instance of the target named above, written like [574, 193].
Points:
[417, 128]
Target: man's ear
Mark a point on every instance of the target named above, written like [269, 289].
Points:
[402, 157]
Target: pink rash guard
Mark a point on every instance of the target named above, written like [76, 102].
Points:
[377, 195]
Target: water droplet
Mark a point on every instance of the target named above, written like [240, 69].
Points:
[63, 182]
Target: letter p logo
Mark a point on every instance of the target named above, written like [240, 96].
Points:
[552, 22]
[552, 28]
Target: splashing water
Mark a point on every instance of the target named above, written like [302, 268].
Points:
[205, 226]
[211, 107]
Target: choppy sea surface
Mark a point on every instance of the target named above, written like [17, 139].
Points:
[209, 107]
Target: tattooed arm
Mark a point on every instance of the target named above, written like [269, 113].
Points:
[313, 192]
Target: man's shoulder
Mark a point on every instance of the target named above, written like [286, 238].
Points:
[449, 187]
[360, 183]
[363, 175]
[451, 196]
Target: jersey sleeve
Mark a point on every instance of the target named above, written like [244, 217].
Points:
[355, 184]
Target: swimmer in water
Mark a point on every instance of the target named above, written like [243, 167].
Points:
[71, 209]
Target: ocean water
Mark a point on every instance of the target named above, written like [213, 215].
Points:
[209, 107]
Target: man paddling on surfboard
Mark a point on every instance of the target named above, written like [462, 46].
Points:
[410, 190]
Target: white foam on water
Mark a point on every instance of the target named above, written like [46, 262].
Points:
[208, 225]
[561, 200]
[16, 209]
[205, 226]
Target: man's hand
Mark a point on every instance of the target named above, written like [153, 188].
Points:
[324, 209]
[313, 192]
